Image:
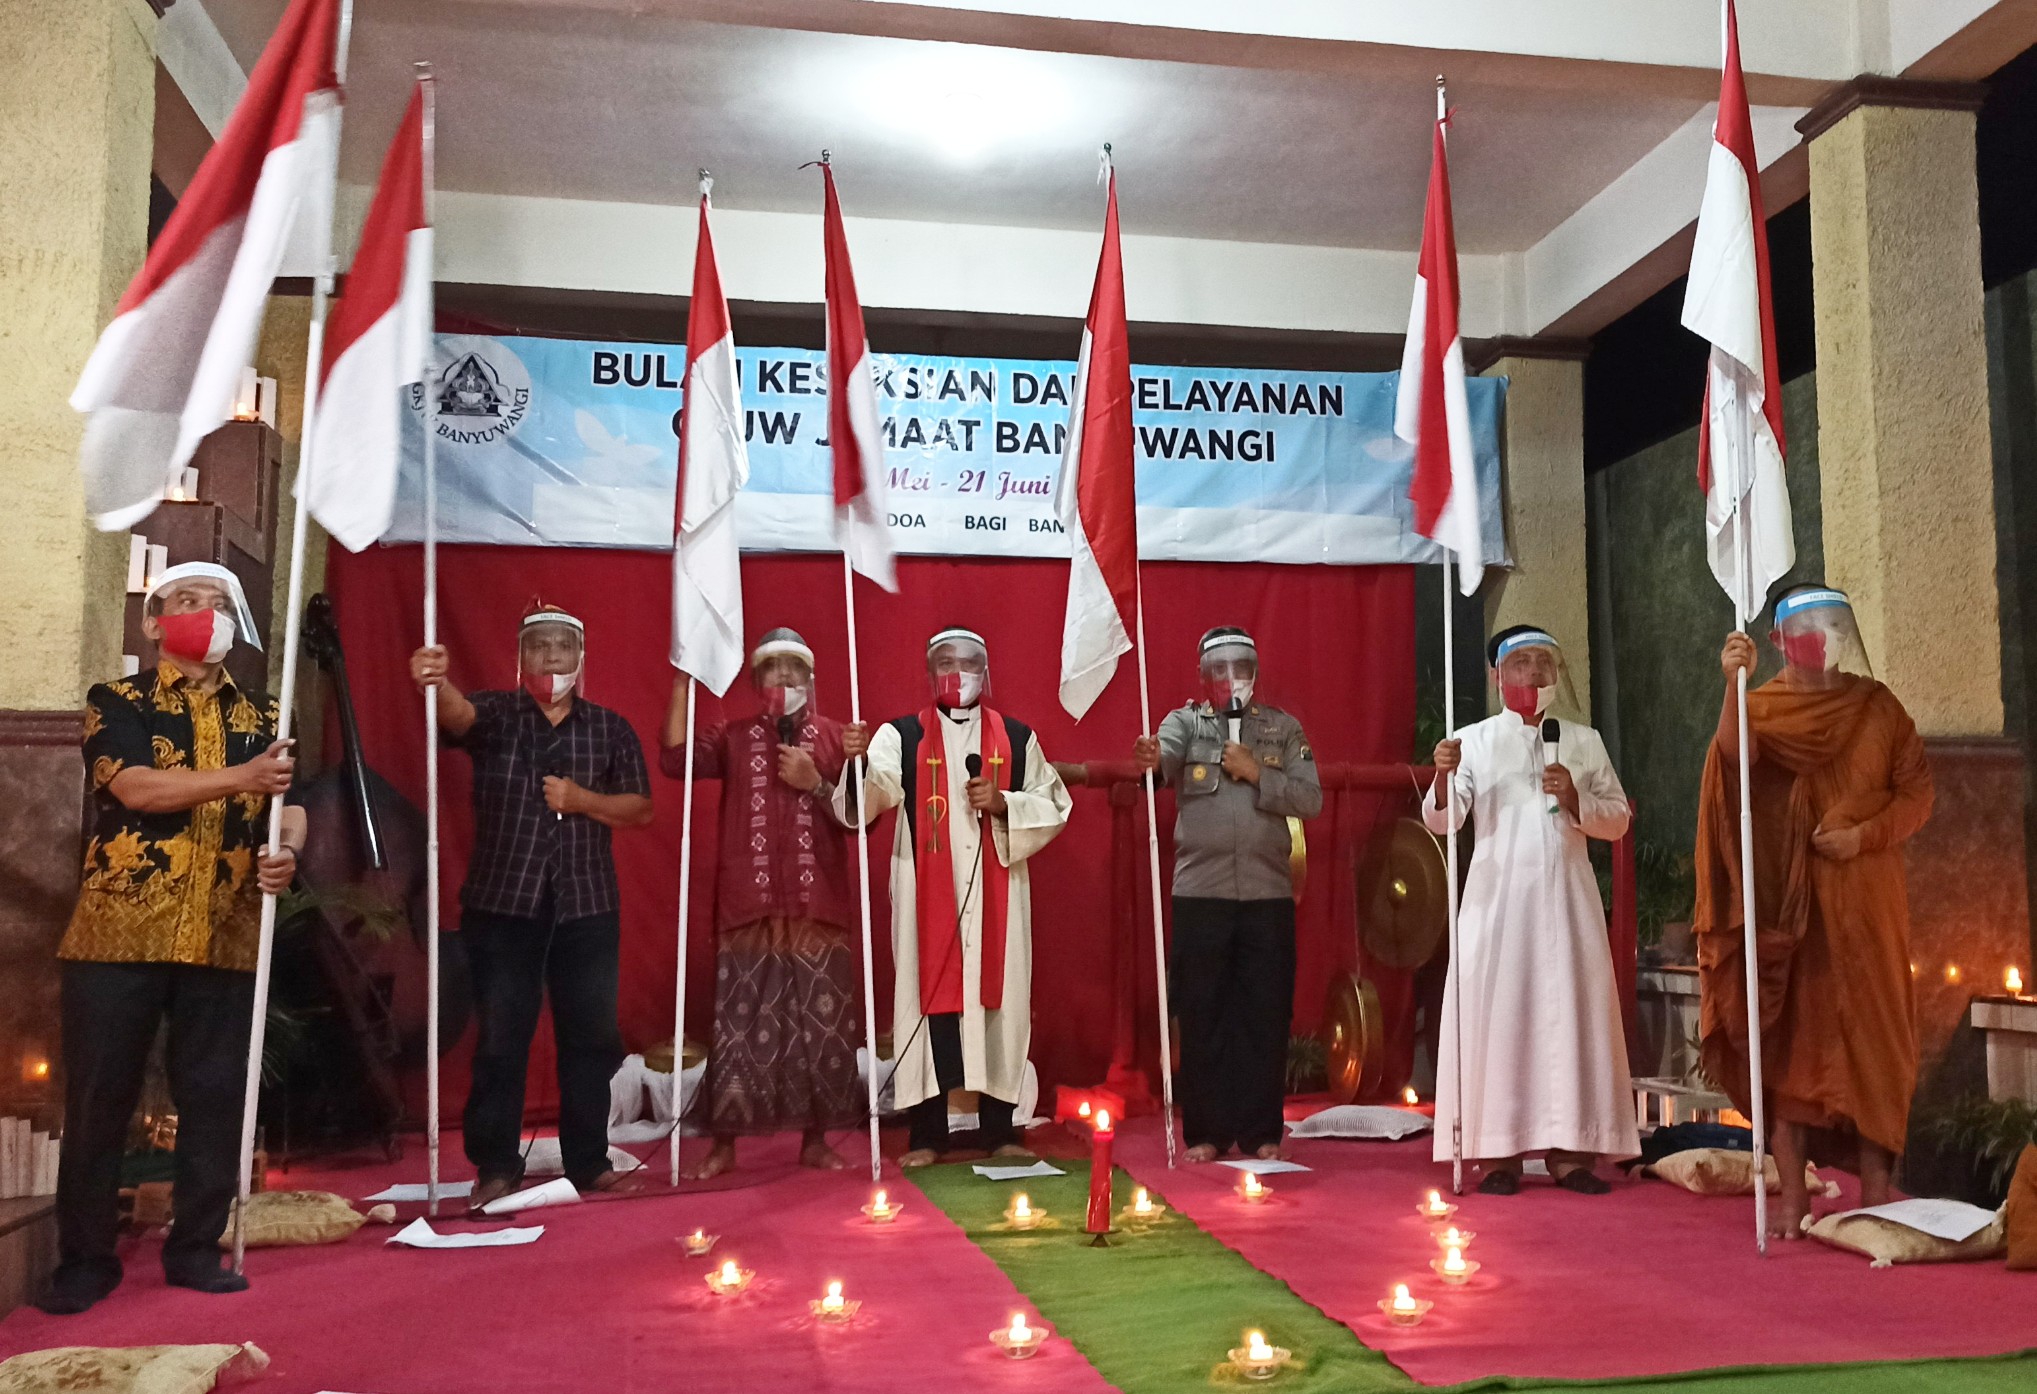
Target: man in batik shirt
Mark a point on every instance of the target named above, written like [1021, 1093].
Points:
[182, 762]
[785, 1008]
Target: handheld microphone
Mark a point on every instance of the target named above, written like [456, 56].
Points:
[555, 768]
[788, 731]
[1235, 715]
[973, 763]
[1552, 737]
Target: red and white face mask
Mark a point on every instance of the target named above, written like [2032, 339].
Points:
[1526, 700]
[784, 701]
[197, 636]
[547, 688]
[962, 689]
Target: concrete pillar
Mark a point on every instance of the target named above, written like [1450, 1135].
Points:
[1905, 461]
[1542, 444]
[77, 99]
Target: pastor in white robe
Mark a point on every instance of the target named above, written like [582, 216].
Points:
[994, 1042]
[1545, 1053]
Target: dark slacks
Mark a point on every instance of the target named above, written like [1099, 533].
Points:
[515, 961]
[927, 1120]
[110, 1013]
[1232, 981]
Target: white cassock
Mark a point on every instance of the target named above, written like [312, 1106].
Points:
[1545, 1053]
[994, 1043]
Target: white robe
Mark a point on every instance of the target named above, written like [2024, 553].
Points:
[1545, 1053]
[994, 1043]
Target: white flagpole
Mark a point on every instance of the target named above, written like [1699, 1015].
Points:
[685, 913]
[1450, 805]
[431, 695]
[863, 859]
[1748, 606]
[1153, 865]
[314, 363]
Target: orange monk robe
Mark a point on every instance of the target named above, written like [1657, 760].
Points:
[1838, 1022]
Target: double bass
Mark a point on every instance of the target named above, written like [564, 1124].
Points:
[364, 870]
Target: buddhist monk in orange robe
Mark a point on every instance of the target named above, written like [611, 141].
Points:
[1839, 782]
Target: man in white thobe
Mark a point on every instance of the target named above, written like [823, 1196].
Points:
[976, 799]
[1531, 1031]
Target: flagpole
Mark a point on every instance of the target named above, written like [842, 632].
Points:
[1450, 806]
[314, 362]
[1153, 864]
[685, 912]
[862, 853]
[1746, 606]
[428, 92]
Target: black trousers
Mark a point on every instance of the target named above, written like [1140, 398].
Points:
[1232, 982]
[927, 1120]
[110, 1013]
[514, 961]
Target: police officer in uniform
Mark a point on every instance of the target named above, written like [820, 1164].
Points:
[1241, 771]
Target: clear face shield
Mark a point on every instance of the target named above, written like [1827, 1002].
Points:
[784, 684]
[958, 666]
[1817, 636]
[1531, 679]
[550, 657]
[1229, 672]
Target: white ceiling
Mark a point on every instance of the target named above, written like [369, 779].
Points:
[594, 104]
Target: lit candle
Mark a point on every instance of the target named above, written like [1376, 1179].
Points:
[1021, 1208]
[1098, 1220]
[2012, 980]
[730, 1274]
[1436, 1208]
[833, 1301]
[1453, 1260]
[1082, 1109]
[1256, 1347]
[1409, 1097]
[1952, 973]
[1254, 1190]
[729, 1280]
[698, 1243]
[1455, 1238]
[1453, 1268]
[1401, 1301]
[1020, 1332]
[880, 1210]
[1141, 1202]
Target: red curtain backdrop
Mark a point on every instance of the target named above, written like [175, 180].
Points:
[1336, 649]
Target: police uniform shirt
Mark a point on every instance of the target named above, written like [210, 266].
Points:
[1230, 836]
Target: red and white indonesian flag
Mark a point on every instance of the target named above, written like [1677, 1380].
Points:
[1740, 439]
[376, 343]
[860, 519]
[714, 463]
[1095, 496]
[1432, 412]
[164, 372]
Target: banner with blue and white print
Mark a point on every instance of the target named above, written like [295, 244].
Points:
[571, 443]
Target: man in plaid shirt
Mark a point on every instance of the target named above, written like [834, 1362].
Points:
[553, 774]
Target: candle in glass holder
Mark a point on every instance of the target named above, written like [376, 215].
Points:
[1409, 1097]
[833, 1307]
[1253, 1189]
[1454, 1237]
[881, 1210]
[1403, 1309]
[1259, 1359]
[1435, 1207]
[698, 1243]
[1100, 1139]
[1021, 1338]
[2013, 982]
[1453, 1267]
[1022, 1214]
[729, 1279]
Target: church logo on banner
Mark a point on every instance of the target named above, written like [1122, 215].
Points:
[481, 389]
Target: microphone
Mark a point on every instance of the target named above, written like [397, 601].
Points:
[1552, 737]
[1235, 714]
[555, 768]
[973, 763]
[788, 731]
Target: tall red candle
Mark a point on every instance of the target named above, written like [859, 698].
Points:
[1099, 1174]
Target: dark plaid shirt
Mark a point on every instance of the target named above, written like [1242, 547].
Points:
[522, 849]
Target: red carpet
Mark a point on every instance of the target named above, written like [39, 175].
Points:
[606, 1302]
[1648, 1280]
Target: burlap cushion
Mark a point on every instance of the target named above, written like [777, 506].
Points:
[1724, 1171]
[1887, 1242]
[2020, 1213]
[130, 1370]
[296, 1217]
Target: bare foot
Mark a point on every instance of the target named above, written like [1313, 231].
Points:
[720, 1158]
[1011, 1151]
[1272, 1152]
[612, 1180]
[488, 1192]
[919, 1157]
[1786, 1221]
[1201, 1152]
[821, 1157]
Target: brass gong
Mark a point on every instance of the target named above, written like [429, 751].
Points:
[1403, 898]
[1354, 1043]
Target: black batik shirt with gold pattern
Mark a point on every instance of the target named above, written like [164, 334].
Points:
[171, 887]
